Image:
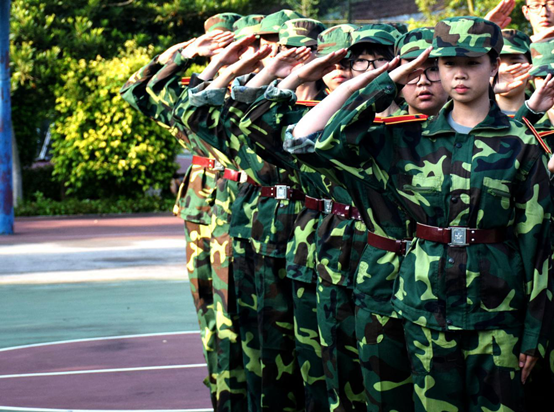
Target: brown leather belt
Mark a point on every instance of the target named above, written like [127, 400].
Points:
[400, 247]
[237, 176]
[282, 192]
[330, 207]
[460, 236]
[207, 163]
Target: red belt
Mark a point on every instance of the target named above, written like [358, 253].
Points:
[207, 163]
[460, 236]
[282, 192]
[400, 247]
[237, 176]
[328, 206]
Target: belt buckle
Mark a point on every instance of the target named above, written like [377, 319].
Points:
[327, 206]
[281, 192]
[218, 166]
[458, 236]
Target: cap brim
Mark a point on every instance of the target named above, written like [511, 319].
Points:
[542, 71]
[458, 52]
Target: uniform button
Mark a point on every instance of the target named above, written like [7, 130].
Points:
[458, 145]
[451, 260]
[448, 322]
[454, 199]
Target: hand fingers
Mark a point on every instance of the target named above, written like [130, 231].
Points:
[414, 64]
[529, 363]
[393, 63]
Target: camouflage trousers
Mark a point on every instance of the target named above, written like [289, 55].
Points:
[200, 275]
[308, 346]
[247, 308]
[281, 381]
[231, 378]
[384, 361]
[465, 370]
[335, 316]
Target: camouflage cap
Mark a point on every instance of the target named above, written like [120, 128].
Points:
[273, 22]
[300, 32]
[247, 25]
[542, 53]
[413, 43]
[335, 38]
[221, 21]
[379, 33]
[401, 27]
[515, 42]
[466, 36]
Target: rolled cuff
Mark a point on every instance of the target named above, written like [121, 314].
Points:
[199, 97]
[300, 145]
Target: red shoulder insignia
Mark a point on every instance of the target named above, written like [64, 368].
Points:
[537, 136]
[378, 119]
[408, 118]
[546, 133]
[511, 116]
[308, 103]
[185, 81]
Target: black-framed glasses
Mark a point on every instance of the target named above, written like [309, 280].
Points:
[536, 7]
[362, 65]
[431, 73]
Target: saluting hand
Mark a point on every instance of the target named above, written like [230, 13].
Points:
[209, 44]
[406, 72]
[250, 64]
[501, 13]
[283, 64]
[511, 77]
[362, 80]
[542, 98]
[166, 55]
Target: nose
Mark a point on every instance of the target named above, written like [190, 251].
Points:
[544, 10]
[423, 80]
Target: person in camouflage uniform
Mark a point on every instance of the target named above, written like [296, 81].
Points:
[206, 111]
[476, 313]
[221, 22]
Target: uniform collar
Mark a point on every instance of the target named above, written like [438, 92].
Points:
[496, 120]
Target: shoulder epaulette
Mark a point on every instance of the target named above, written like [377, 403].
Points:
[407, 118]
[185, 81]
[308, 103]
[537, 135]
[546, 133]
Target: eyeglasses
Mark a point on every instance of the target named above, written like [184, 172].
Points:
[431, 73]
[536, 7]
[361, 65]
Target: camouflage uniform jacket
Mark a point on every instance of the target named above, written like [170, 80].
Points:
[492, 178]
[152, 90]
[338, 249]
[213, 116]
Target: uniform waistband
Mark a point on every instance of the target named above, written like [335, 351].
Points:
[207, 163]
[282, 192]
[400, 247]
[331, 207]
[237, 176]
[460, 236]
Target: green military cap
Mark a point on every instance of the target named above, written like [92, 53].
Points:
[413, 43]
[401, 27]
[300, 32]
[335, 38]
[542, 53]
[379, 33]
[273, 22]
[247, 25]
[515, 42]
[466, 36]
[221, 21]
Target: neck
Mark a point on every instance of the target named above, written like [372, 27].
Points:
[470, 115]
[306, 91]
[510, 103]
[389, 110]
[413, 110]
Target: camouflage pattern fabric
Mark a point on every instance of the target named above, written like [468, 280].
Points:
[247, 25]
[516, 42]
[335, 316]
[247, 309]
[300, 32]
[273, 22]
[543, 58]
[446, 294]
[378, 33]
[413, 43]
[466, 37]
[485, 363]
[221, 21]
[335, 38]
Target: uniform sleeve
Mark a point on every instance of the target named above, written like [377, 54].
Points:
[525, 111]
[134, 90]
[532, 227]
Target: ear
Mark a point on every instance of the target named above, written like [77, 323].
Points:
[495, 66]
[525, 12]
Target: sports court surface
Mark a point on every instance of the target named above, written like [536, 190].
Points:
[96, 315]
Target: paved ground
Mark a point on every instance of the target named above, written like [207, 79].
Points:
[80, 281]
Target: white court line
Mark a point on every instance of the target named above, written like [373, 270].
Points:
[34, 345]
[19, 409]
[81, 372]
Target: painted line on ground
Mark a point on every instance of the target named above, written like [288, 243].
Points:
[20, 409]
[84, 372]
[143, 335]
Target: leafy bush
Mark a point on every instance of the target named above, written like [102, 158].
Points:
[101, 145]
[40, 179]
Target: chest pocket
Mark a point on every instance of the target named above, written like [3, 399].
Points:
[499, 190]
